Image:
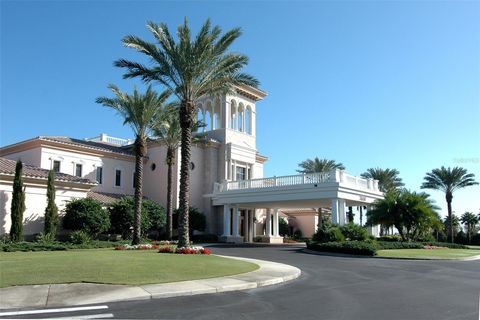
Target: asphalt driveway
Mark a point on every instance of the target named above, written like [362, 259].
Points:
[332, 288]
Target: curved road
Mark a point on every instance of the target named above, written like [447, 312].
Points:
[332, 288]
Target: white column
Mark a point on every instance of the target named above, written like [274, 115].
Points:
[235, 221]
[335, 211]
[226, 220]
[275, 222]
[341, 212]
[268, 223]
[251, 225]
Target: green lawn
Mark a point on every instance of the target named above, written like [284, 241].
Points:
[429, 254]
[112, 266]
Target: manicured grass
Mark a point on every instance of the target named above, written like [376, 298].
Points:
[133, 267]
[429, 254]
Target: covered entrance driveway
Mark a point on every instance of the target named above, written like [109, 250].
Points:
[244, 201]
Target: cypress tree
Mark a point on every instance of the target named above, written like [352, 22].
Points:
[18, 205]
[51, 212]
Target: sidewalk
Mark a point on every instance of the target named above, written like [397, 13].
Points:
[74, 294]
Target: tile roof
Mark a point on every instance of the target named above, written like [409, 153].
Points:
[103, 146]
[7, 166]
[106, 198]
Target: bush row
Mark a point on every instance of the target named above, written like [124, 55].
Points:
[56, 246]
[364, 248]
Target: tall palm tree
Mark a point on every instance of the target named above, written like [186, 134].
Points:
[168, 130]
[470, 221]
[139, 111]
[190, 68]
[319, 165]
[448, 180]
[388, 179]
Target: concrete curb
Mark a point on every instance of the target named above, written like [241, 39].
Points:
[74, 294]
[346, 255]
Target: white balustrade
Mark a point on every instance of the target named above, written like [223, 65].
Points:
[300, 179]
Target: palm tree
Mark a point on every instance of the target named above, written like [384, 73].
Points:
[413, 214]
[388, 179]
[470, 221]
[139, 111]
[319, 165]
[167, 129]
[448, 180]
[190, 68]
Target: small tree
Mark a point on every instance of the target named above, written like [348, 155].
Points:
[18, 205]
[51, 212]
[87, 215]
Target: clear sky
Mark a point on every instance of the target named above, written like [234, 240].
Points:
[379, 83]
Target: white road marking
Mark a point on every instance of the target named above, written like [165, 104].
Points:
[90, 316]
[20, 313]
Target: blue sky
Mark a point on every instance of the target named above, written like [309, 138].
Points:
[388, 84]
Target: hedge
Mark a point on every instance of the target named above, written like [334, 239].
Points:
[351, 247]
[56, 246]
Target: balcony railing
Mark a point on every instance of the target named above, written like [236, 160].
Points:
[299, 179]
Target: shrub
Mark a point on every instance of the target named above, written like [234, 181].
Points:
[122, 214]
[297, 234]
[196, 220]
[45, 238]
[51, 212]
[328, 233]
[156, 214]
[86, 215]
[390, 238]
[80, 237]
[351, 247]
[353, 231]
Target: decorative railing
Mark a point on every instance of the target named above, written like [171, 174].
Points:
[299, 179]
[113, 140]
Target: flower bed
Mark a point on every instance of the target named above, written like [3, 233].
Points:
[155, 245]
[184, 250]
[428, 247]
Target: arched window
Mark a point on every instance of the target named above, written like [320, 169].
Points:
[200, 116]
[208, 117]
[241, 118]
[248, 120]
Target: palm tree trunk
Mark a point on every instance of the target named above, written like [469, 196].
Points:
[187, 113]
[449, 197]
[320, 218]
[170, 162]
[140, 151]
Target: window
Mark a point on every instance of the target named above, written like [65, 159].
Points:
[241, 173]
[78, 170]
[153, 166]
[118, 178]
[99, 175]
[56, 166]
